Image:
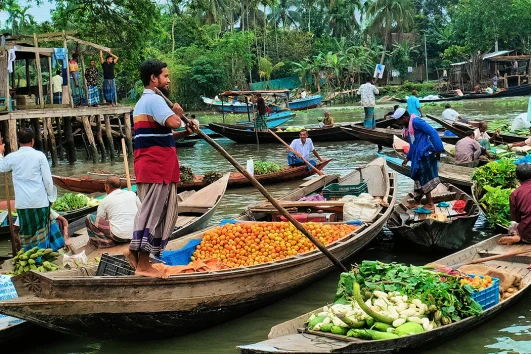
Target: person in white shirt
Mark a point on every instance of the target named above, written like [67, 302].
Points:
[300, 149]
[451, 114]
[57, 88]
[304, 94]
[368, 101]
[38, 225]
[113, 222]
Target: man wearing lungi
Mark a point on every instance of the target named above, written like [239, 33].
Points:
[91, 75]
[425, 147]
[156, 168]
[368, 101]
[109, 85]
[39, 226]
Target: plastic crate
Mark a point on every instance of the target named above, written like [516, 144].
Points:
[114, 266]
[336, 190]
[487, 297]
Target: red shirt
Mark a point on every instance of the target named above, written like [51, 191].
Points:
[520, 202]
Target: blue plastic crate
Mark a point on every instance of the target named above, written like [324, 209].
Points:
[336, 190]
[487, 297]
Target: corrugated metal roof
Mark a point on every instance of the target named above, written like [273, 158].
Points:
[487, 56]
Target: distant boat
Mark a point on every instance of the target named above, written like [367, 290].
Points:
[301, 104]
[238, 107]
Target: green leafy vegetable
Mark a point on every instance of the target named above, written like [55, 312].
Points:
[501, 173]
[265, 167]
[70, 201]
[496, 204]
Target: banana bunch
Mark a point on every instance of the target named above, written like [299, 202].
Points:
[40, 260]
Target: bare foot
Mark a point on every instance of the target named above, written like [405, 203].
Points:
[413, 205]
[150, 272]
[429, 206]
[131, 257]
[508, 240]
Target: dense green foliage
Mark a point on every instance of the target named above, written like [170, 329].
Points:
[214, 45]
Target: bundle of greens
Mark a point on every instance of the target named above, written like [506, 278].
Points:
[501, 173]
[186, 174]
[265, 167]
[495, 202]
[71, 201]
[211, 177]
[439, 291]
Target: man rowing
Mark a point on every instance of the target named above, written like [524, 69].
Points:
[468, 151]
[156, 168]
[425, 147]
[113, 222]
[38, 225]
[300, 149]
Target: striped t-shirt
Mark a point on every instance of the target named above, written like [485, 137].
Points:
[155, 154]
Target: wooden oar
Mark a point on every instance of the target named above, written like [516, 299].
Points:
[262, 190]
[492, 258]
[319, 172]
[9, 211]
[126, 166]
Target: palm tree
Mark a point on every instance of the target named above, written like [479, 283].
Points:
[13, 9]
[303, 70]
[388, 14]
[266, 68]
[285, 11]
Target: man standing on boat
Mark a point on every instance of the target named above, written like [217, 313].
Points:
[425, 148]
[156, 168]
[113, 222]
[368, 101]
[520, 204]
[413, 104]
[261, 113]
[301, 148]
[38, 225]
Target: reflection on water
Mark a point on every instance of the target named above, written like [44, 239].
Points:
[507, 333]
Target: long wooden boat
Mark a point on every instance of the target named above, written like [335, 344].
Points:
[133, 307]
[475, 196]
[460, 130]
[522, 90]
[292, 337]
[442, 99]
[450, 230]
[96, 182]
[298, 104]
[384, 136]
[459, 176]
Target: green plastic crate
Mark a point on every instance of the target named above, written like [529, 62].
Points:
[336, 190]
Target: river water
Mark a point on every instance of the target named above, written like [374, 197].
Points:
[509, 332]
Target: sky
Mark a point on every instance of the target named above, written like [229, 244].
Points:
[40, 13]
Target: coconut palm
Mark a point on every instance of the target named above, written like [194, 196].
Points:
[266, 68]
[13, 10]
[285, 12]
[303, 70]
[390, 14]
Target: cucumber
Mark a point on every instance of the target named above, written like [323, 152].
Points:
[382, 327]
[339, 330]
[383, 335]
[353, 323]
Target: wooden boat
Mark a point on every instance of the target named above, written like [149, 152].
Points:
[459, 176]
[384, 136]
[522, 90]
[195, 211]
[292, 337]
[475, 196]
[450, 230]
[308, 102]
[134, 307]
[14, 331]
[442, 99]
[96, 182]
[298, 104]
[460, 130]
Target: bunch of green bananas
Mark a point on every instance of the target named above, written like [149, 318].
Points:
[40, 260]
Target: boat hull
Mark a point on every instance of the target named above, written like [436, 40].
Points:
[384, 136]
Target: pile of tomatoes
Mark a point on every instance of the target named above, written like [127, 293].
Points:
[245, 244]
[477, 282]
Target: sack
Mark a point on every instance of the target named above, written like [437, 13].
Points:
[250, 167]
[76, 260]
[520, 122]
[363, 208]
[7, 291]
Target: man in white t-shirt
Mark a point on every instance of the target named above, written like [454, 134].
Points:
[300, 149]
[450, 114]
[113, 223]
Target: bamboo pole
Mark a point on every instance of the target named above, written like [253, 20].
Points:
[46, 138]
[99, 138]
[262, 190]
[12, 137]
[50, 86]
[71, 96]
[128, 134]
[53, 150]
[319, 172]
[60, 149]
[39, 71]
[85, 87]
[108, 134]
[90, 137]
[126, 166]
[9, 211]
[35, 125]
[69, 140]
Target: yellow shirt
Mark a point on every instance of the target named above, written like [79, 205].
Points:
[57, 83]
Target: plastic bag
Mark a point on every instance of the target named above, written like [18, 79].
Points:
[520, 122]
[76, 260]
[250, 166]
[363, 208]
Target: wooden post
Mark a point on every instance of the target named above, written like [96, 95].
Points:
[69, 138]
[12, 135]
[68, 72]
[51, 136]
[99, 137]
[85, 84]
[27, 75]
[60, 149]
[39, 71]
[50, 89]
[90, 137]
[128, 134]
[46, 137]
[38, 138]
[108, 134]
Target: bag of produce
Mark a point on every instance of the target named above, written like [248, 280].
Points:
[520, 122]
[363, 208]
[76, 260]
[250, 166]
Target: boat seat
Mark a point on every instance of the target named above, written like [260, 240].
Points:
[184, 220]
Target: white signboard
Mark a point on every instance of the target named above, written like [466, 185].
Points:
[379, 70]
